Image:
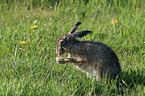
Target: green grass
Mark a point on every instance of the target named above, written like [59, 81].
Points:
[31, 69]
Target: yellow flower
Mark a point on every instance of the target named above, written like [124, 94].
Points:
[8, 49]
[22, 42]
[114, 21]
[33, 27]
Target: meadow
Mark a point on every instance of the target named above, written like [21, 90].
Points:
[28, 35]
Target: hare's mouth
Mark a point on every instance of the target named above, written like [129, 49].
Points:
[60, 53]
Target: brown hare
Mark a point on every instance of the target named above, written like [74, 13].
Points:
[92, 57]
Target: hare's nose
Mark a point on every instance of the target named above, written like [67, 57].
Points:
[59, 48]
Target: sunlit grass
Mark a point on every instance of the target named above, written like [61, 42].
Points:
[28, 65]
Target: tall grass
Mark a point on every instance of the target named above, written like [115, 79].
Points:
[31, 69]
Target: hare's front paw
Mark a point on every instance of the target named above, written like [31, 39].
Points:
[60, 60]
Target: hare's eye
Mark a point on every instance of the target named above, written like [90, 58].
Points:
[62, 42]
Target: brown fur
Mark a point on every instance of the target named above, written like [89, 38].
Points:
[93, 57]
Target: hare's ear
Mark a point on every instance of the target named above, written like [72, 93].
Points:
[74, 28]
[79, 34]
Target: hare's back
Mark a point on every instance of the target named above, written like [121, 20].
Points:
[108, 55]
[95, 49]
[105, 51]
[94, 46]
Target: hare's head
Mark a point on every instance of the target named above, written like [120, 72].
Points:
[66, 41]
